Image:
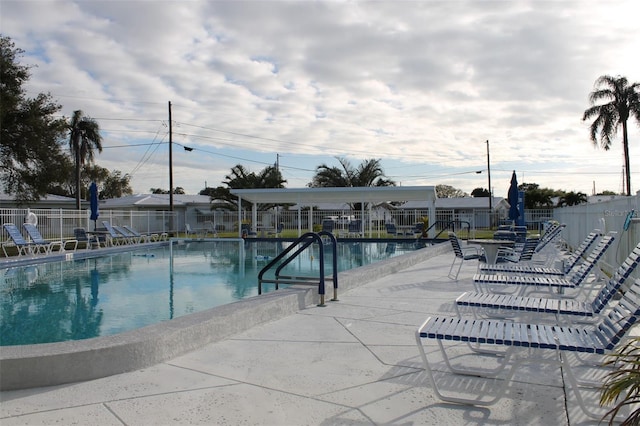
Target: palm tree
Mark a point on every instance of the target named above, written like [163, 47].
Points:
[572, 199]
[84, 137]
[368, 173]
[623, 101]
[241, 178]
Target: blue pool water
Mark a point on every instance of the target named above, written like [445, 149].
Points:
[80, 299]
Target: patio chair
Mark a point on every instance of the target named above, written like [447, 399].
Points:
[461, 254]
[523, 254]
[17, 240]
[82, 236]
[355, 228]
[210, 228]
[143, 238]
[328, 225]
[568, 264]
[572, 280]
[518, 304]
[246, 231]
[47, 246]
[552, 234]
[113, 237]
[525, 343]
[128, 236]
[276, 232]
[391, 229]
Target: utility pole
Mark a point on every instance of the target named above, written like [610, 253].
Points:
[170, 162]
[489, 174]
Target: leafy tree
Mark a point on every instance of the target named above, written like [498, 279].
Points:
[84, 137]
[572, 199]
[115, 185]
[480, 192]
[31, 156]
[623, 100]
[368, 173]
[241, 178]
[111, 184]
[207, 191]
[606, 192]
[536, 197]
[447, 191]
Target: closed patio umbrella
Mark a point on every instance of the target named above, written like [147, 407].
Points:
[93, 197]
[512, 197]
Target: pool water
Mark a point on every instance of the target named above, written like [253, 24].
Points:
[100, 296]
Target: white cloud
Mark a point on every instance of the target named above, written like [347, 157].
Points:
[421, 85]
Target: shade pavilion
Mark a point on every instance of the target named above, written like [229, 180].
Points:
[367, 196]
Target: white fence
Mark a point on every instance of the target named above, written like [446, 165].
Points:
[58, 224]
[609, 216]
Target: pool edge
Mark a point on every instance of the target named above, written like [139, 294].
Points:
[50, 364]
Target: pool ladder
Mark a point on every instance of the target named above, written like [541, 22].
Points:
[299, 246]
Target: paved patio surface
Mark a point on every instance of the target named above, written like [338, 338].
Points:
[353, 362]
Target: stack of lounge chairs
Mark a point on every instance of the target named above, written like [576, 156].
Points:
[534, 330]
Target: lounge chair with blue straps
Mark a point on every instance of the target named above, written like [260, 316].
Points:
[45, 246]
[17, 241]
[128, 236]
[144, 238]
[517, 305]
[572, 280]
[113, 237]
[525, 343]
[568, 264]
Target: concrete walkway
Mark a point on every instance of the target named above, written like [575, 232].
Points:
[353, 362]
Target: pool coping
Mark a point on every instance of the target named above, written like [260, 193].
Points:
[49, 364]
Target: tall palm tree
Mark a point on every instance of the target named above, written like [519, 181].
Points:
[241, 178]
[368, 173]
[572, 199]
[84, 138]
[623, 101]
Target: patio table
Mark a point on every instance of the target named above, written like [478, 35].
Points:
[491, 247]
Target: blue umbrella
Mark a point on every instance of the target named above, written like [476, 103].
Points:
[512, 197]
[93, 194]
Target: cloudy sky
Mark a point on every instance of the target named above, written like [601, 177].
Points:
[421, 85]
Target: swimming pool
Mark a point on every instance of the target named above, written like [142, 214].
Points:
[101, 296]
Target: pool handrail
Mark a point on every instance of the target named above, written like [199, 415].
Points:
[306, 240]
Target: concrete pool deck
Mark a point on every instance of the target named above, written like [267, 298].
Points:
[354, 361]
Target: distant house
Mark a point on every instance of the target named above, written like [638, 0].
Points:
[49, 201]
[468, 209]
[191, 209]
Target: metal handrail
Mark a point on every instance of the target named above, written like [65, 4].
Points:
[306, 240]
[448, 224]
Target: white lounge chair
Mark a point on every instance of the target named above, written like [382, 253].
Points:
[515, 305]
[18, 241]
[46, 246]
[572, 280]
[571, 262]
[525, 343]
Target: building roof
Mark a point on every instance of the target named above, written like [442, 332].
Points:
[460, 203]
[313, 196]
[154, 200]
